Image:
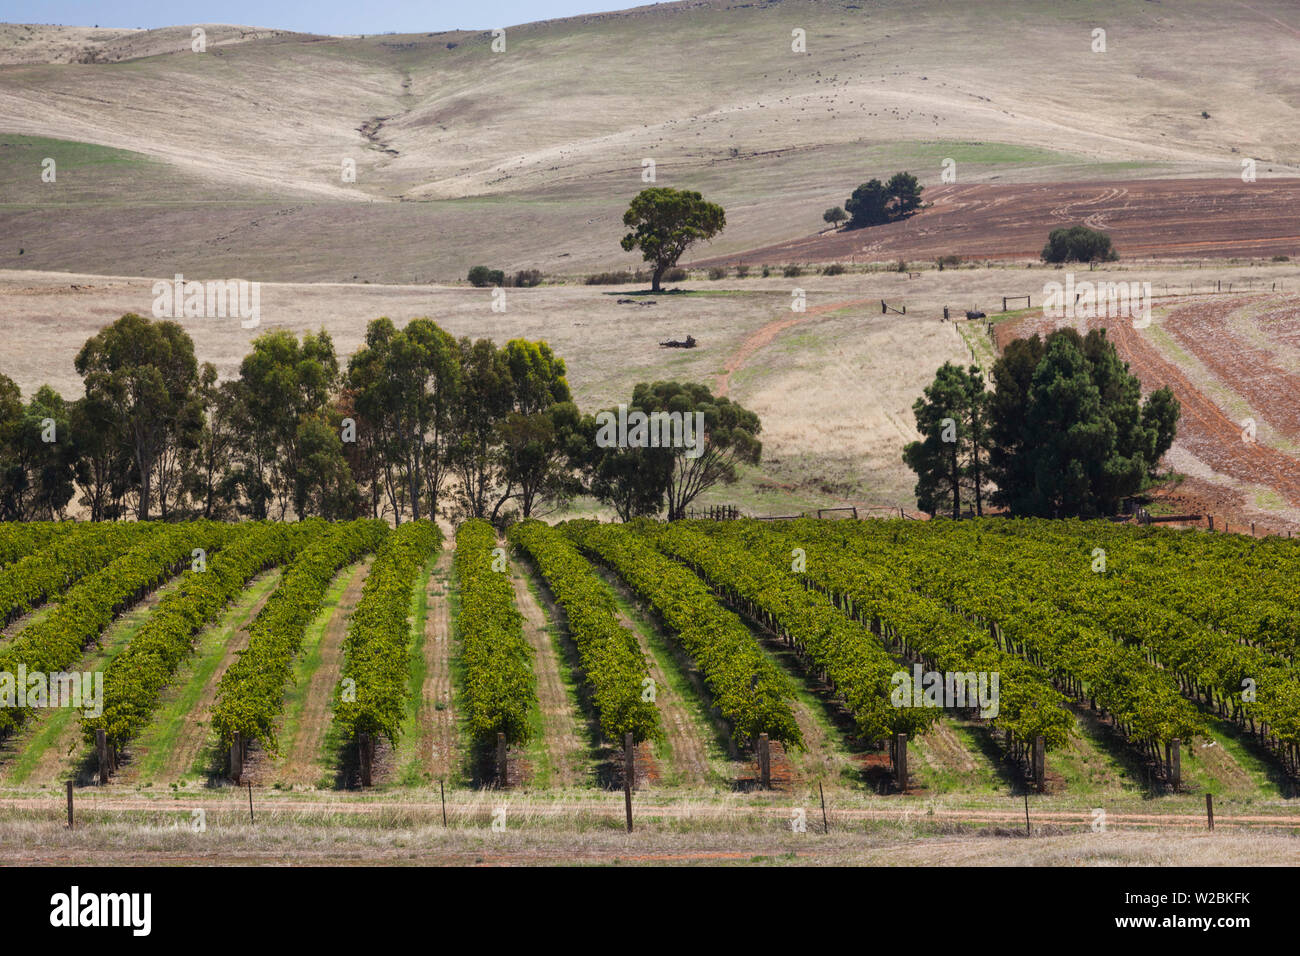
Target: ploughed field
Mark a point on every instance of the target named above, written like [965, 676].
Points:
[1232, 360]
[1153, 219]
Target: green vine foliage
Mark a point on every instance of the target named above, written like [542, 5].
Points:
[376, 668]
[58, 641]
[613, 666]
[250, 695]
[500, 687]
[136, 677]
[748, 688]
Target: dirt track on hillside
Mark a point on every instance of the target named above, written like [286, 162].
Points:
[764, 336]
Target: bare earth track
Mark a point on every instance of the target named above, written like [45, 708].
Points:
[437, 716]
[764, 336]
[194, 734]
[301, 761]
[562, 728]
[690, 759]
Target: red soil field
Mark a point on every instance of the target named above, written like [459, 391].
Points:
[1204, 429]
[1175, 218]
[1252, 372]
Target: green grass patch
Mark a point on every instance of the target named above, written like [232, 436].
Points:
[411, 772]
[306, 664]
[668, 658]
[179, 701]
[51, 726]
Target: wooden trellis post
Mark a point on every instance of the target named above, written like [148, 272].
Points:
[629, 775]
[236, 757]
[900, 760]
[365, 754]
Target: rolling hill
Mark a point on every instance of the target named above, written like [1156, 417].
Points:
[230, 160]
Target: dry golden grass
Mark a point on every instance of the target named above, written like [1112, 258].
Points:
[834, 390]
[578, 829]
[711, 91]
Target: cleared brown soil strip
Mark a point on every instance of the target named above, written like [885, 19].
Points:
[1152, 218]
[690, 758]
[1205, 330]
[301, 755]
[764, 336]
[1204, 428]
[563, 736]
[438, 726]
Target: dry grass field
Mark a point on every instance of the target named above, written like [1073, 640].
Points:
[585, 829]
[240, 171]
[833, 385]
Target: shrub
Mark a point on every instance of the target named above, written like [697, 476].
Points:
[527, 278]
[742, 271]
[675, 274]
[767, 271]
[1078, 244]
[481, 276]
[901, 266]
[611, 278]
[717, 272]
[952, 261]
[834, 269]
[1281, 258]
[791, 272]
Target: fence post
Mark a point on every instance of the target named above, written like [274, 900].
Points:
[69, 804]
[365, 754]
[629, 775]
[1211, 517]
[1209, 809]
[764, 762]
[101, 751]
[236, 758]
[501, 759]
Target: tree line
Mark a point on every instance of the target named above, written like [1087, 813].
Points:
[1064, 432]
[416, 423]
